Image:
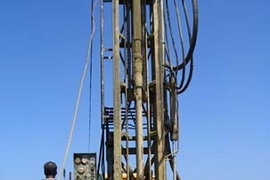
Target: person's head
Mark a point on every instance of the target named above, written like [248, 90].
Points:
[50, 169]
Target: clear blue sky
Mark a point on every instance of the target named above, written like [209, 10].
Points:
[225, 127]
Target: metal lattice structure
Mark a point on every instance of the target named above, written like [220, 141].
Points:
[143, 69]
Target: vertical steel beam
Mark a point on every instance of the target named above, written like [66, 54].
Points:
[116, 93]
[158, 102]
[102, 61]
[138, 79]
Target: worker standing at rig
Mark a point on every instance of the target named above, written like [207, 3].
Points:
[50, 170]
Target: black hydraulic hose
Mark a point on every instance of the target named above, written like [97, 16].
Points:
[182, 46]
[189, 78]
[182, 86]
[193, 38]
[183, 75]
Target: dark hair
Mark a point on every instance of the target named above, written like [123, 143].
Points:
[50, 169]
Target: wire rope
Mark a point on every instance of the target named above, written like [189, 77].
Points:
[93, 25]
[170, 30]
[179, 27]
[74, 119]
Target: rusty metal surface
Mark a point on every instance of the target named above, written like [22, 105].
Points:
[117, 166]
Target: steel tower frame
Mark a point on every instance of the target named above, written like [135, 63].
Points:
[140, 116]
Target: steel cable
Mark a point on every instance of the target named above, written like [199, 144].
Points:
[74, 119]
[93, 27]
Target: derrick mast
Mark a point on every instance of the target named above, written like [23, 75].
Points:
[140, 85]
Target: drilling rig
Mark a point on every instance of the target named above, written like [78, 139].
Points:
[146, 61]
